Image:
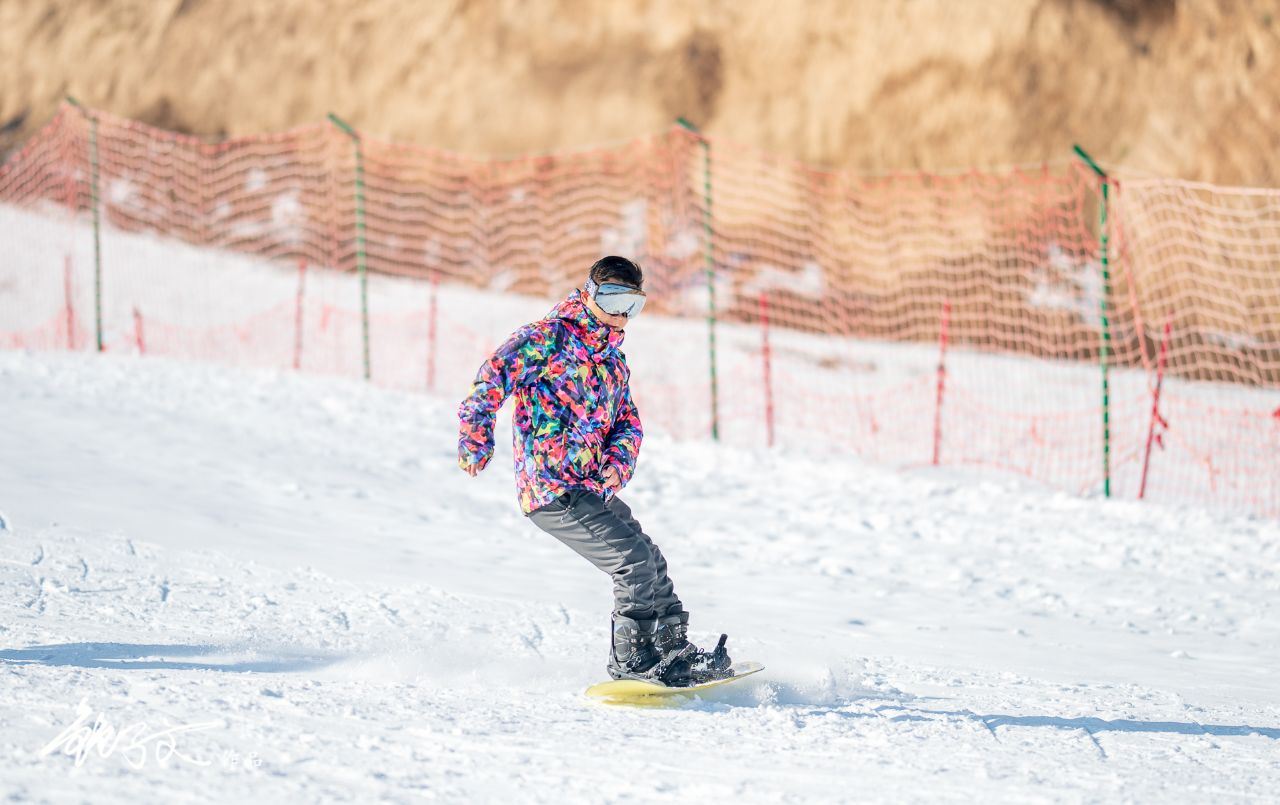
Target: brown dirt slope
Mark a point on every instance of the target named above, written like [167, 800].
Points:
[1175, 87]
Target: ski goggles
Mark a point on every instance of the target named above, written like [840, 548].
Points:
[616, 299]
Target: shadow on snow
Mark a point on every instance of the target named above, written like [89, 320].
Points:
[806, 705]
[1093, 725]
[141, 656]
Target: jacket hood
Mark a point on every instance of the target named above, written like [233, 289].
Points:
[599, 338]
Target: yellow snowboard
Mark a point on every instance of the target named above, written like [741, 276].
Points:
[633, 691]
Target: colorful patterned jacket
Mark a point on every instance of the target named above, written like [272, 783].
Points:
[573, 414]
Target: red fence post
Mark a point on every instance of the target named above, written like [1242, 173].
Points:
[70, 303]
[767, 357]
[942, 377]
[137, 332]
[297, 316]
[1155, 406]
[431, 332]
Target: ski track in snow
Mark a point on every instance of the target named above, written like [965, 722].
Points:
[298, 562]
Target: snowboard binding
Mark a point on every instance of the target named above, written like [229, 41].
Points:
[712, 665]
[693, 666]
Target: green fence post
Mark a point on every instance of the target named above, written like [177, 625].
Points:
[360, 242]
[1106, 323]
[97, 221]
[711, 272]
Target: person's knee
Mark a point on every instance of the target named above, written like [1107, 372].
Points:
[640, 561]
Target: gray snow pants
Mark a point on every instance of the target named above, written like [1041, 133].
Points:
[607, 536]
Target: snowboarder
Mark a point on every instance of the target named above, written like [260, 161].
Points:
[577, 435]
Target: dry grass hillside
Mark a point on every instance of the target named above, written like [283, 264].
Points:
[1185, 88]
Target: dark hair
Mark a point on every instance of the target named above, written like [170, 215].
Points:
[617, 269]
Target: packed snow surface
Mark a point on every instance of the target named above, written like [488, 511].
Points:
[290, 575]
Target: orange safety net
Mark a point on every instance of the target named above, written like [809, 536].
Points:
[912, 319]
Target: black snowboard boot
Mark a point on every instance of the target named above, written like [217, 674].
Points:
[686, 664]
[633, 655]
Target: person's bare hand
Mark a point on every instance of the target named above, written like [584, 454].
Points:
[611, 478]
[472, 468]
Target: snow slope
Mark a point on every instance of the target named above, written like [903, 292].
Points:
[293, 569]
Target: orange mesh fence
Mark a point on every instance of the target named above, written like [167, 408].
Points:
[911, 319]
[1204, 262]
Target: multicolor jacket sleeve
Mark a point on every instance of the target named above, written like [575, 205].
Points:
[622, 448]
[516, 363]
